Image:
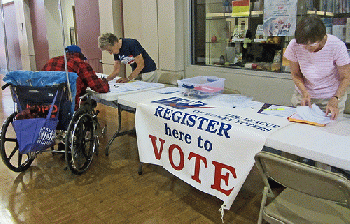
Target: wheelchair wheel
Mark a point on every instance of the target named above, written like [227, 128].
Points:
[10, 155]
[80, 143]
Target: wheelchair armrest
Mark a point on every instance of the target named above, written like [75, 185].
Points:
[5, 86]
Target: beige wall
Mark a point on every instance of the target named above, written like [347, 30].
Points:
[110, 21]
[159, 26]
[25, 35]
[53, 28]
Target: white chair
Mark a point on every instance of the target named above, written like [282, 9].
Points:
[311, 194]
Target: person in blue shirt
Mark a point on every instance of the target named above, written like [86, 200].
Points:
[129, 51]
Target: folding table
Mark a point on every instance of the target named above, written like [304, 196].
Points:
[112, 99]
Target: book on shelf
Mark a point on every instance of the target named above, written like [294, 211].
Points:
[259, 33]
[242, 24]
[339, 28]
[344, 6]
[328, 24]
[322, 5]
[329, 6]
[310, 5]
[302, 7]
[347, 35]
[336, 6]
[340, 6]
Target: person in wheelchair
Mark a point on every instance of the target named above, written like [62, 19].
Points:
[86, 75]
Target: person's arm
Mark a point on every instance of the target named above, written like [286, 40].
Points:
[140, 65]
[115, 72]
[298, 80]
[87, 74]
[344, 75]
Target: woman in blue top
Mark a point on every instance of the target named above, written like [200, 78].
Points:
[129, 51]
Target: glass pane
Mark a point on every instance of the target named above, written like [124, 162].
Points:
[219, 39]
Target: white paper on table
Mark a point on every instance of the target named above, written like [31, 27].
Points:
[132, 86]
[101, 75]
[233, 101]
[313, 114]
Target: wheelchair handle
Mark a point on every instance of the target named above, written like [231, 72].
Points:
[5, 86]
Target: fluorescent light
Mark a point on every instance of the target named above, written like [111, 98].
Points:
[6, 1]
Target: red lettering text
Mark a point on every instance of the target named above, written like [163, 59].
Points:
[218, 177]
[157, 153]
[181, 153]
[199, 158]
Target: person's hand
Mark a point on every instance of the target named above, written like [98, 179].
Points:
[122, 80]
[306, 100]
[332, 107]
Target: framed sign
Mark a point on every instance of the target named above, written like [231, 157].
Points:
[280, 17]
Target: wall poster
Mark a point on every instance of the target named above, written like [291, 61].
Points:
[280, 17]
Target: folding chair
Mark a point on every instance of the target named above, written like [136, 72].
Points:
[312, 195]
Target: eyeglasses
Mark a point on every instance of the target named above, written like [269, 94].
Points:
[315, 44]
[311, 45]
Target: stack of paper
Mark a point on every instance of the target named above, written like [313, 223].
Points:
[307, 115]
[132, 86]
[234, 101]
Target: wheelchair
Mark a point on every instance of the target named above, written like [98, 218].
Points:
[76, 130]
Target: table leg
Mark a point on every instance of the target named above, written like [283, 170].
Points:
[119, 132]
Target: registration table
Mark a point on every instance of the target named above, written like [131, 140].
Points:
[118, 90]
[212, 146]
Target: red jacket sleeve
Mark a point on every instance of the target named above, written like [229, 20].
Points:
[87, 74]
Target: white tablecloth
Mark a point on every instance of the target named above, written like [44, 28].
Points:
[210, 147]
[330, 144]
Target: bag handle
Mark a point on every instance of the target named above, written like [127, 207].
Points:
[17, 100]
[52, 105]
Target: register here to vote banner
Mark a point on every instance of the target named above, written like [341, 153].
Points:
[210, 148]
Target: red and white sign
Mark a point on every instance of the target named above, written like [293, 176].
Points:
[210, 148]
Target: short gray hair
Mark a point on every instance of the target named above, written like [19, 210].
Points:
[107, 39]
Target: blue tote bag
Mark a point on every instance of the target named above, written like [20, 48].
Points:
[36, 134]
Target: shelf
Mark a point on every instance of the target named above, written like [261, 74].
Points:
[259, 40]
[256, 13]
[237, 40]
[217, 42]
[321, 13]
[218, 15]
